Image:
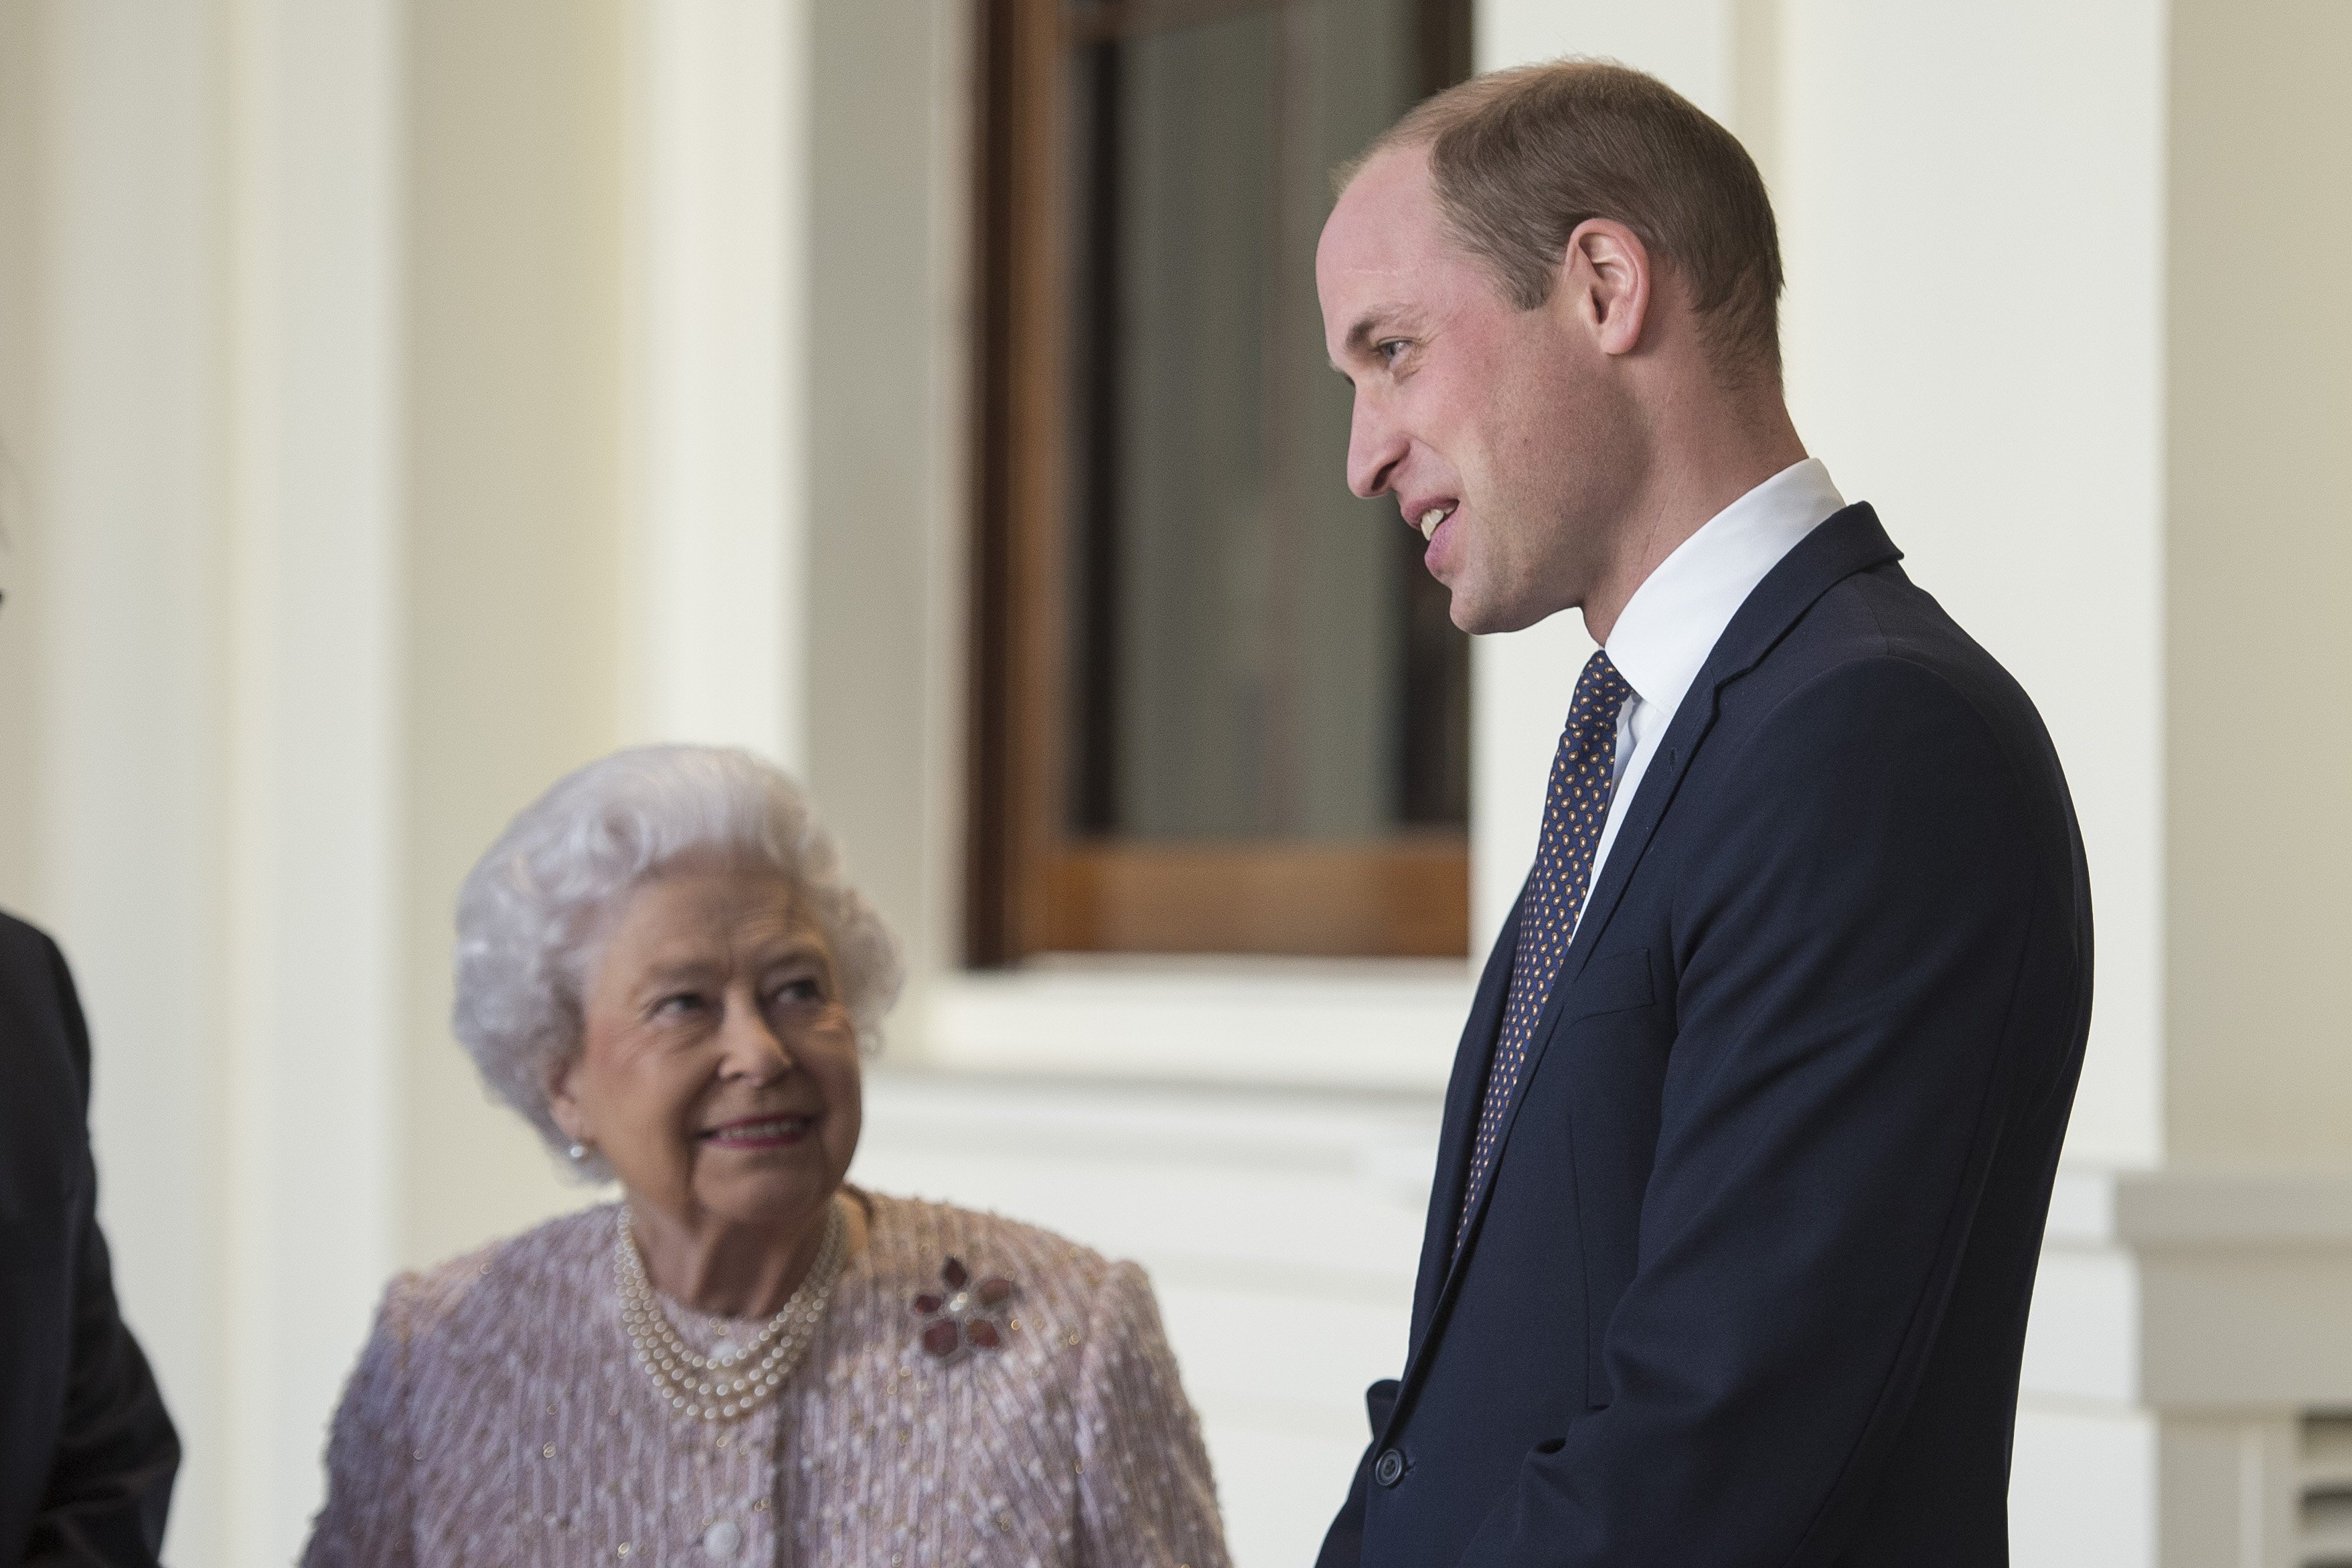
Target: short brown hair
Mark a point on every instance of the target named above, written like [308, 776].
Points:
[1520, 157]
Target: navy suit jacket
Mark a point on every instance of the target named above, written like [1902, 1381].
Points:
[1749, 1284]
[86, 1453]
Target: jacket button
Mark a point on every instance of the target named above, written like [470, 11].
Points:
[1388, 1468]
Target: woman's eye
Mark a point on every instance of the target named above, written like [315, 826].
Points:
[804, 989]
[680, 1002]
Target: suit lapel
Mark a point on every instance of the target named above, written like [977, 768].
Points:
[1850, 541]
[1464, 1091]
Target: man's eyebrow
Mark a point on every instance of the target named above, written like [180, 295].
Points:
[1359, 336]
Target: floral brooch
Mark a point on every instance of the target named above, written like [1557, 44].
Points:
[962, 1318]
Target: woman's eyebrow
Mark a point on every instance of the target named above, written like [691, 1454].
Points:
[799, 950]
[675, 970]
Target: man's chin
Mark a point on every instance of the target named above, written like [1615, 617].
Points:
[1482, 616]
[1466, 616]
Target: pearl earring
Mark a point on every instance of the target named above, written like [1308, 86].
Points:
[578, 1152]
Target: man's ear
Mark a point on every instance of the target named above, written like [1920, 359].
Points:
[1606, 278]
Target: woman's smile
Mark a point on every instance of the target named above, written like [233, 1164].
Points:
[760, 1132]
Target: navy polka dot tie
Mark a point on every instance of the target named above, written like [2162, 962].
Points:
[1583, 777]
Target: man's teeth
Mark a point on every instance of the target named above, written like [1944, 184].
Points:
[1430, 519]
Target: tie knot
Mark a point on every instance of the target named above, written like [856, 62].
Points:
[1601, 691]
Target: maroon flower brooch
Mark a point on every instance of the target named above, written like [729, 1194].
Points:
[962, 1318]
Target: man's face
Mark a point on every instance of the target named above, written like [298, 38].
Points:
[1506, 435]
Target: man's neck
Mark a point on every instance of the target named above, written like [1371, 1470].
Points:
[1700, 473]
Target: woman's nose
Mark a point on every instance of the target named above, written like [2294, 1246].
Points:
[754, 1048]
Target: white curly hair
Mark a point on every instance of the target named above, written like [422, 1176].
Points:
[533, 911]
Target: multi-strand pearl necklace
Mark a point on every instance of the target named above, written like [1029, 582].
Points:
[733, 1381]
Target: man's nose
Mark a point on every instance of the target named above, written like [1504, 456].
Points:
[1375, 448]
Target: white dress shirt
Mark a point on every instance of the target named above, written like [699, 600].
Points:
[1679, 613]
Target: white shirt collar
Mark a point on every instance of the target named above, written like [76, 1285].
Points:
[1673, 621]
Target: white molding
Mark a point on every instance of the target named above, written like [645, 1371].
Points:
[1280, 1228]
[1333, 1024]
[2187, 1206]
[2191, 1290]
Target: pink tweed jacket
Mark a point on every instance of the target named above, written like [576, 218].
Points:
[497, 1419]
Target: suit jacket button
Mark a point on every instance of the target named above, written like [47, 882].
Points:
[1388, 1468]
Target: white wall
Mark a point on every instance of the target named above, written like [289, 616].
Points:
[518, 512]
[2259, 528]
[1972, 201]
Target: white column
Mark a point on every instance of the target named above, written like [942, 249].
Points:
[717, 628]
[311, 619]
[111, 667]
[888, 209]
[200, 401]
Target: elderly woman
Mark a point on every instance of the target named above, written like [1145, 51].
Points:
[744, 1360]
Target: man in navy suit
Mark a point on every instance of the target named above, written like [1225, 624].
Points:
[87, 1452]
[1751, 1132]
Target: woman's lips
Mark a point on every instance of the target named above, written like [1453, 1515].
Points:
[768, 1132]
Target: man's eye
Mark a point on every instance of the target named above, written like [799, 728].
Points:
[1390, 350]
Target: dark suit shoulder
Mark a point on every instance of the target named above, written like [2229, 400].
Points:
[1881, 618]
[1875, 614]
[1876, 697]
[40, 1013]
[24, 943]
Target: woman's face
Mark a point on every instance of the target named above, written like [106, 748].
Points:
[717, 1070]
